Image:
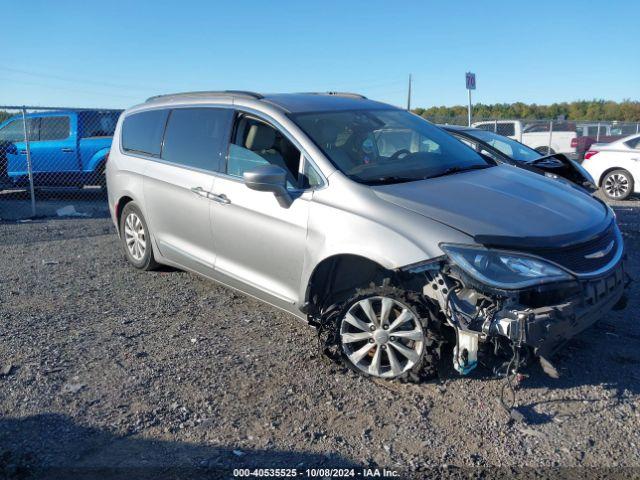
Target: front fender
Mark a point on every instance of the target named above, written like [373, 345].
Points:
[333, 232]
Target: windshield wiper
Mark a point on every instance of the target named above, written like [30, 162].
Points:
[454, 170]
[392, 179]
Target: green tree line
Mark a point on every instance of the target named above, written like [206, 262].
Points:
[4, 115]
[625, 111]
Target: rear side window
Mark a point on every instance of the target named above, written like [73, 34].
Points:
[485, 126]
[506, 129]
[197, 137]
[98, 123]
[54, 128]
[142, 132]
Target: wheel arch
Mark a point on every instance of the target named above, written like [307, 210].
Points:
[98, 159]
[120, 204]
[611, 169]
[338, 275]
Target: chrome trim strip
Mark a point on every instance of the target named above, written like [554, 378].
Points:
[609, 266]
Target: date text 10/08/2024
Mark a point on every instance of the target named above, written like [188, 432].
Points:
[316, 472]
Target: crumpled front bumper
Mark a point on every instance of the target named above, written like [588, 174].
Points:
[547, 328]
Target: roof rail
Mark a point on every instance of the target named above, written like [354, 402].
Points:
[229, 93]
[341, 94]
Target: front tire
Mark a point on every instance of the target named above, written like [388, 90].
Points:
[617, 185]
[383, 332]
[136, 239]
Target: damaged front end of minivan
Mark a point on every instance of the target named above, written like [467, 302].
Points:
[525, 303]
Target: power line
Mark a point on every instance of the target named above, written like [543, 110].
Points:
[74, 80]
[69, 89]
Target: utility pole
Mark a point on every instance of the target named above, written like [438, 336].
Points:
[409, 94]
[469, 109]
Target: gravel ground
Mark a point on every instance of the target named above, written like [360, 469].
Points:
[107, 370]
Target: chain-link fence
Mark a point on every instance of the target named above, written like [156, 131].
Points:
[52, 161]
[571, 137]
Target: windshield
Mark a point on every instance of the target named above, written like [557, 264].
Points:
[511, 148]
[387, 146]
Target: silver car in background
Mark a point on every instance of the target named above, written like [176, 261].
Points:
[383, 231]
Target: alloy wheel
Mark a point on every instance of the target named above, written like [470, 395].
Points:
[135, 236]
[382, 337]
[616, 185]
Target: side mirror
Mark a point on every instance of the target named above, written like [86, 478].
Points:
[269, 178]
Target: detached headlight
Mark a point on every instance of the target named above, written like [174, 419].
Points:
[501, 269]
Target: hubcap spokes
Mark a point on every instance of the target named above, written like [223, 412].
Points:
[616, 185]
[134, 236]
[382, 337]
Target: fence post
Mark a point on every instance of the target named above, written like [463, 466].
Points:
[495, 126]
[550, 136]
[637, 127]
[598, 133]
[29, 167]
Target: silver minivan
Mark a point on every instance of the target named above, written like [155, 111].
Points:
[383, 231]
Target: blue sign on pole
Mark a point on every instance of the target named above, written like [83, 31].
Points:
[471, 81]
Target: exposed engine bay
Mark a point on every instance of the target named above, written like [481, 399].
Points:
[532, 321]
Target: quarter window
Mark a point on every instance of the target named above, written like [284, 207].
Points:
[197, 137]
[54, 128]
[634, 143]
[311, 177]
[142, 132]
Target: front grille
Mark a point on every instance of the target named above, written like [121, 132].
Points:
[574, 258]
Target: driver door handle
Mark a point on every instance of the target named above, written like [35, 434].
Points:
[200, 191]
[222, 198]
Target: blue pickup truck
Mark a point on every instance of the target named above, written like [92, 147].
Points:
[68, 147]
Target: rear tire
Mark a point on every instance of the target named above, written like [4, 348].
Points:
[136, 239]
[617, 184]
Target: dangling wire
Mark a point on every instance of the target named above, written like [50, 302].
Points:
[515, 364]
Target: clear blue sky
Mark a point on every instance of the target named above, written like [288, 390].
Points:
[115, 53]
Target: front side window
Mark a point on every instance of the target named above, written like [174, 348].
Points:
[509, 147]
[142, 132]
[197, 137]
[258, 143]
[54, 128]
[387, 146]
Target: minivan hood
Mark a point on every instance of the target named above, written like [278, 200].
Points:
[504, 206]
